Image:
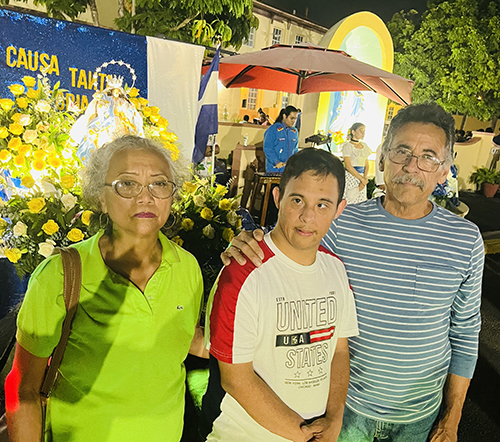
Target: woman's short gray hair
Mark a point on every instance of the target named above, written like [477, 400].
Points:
[94, 174]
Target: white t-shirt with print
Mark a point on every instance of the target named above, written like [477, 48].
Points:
[286, 318]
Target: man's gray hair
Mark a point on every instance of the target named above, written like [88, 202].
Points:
[428, 113]
[94, 174]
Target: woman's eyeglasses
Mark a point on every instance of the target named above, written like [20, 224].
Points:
[131, 189]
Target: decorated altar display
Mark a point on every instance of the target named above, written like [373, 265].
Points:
[42, 151]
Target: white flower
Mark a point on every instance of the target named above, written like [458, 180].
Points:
[199, 200]
[232, 217]
[209, 231]
[20, 229]
[43, 106]
[50, 189]
[69, 201]
[46, 248]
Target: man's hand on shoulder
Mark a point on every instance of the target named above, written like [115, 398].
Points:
[245, 245]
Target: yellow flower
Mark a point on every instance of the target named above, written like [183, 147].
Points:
[135, 102]
[225, 204]
[154, 117]
[187, 224]
[67, 181]
[174, 150]
[24, 149]
[228, 234]
[16, 89]
[6, 104]
[29, 81]
[86, 215]
[50, 227]
[36, 205]
[13, 255]
[27, 181]
[16, 117]
[30, 135]
[15, 143]
[155, 110]
[146, 111]
[169, 136]
[19, 160]
[207, 213]
[22, 102]
[143, 101]
[178, 240]
[54, 161]
[33, 93]
[163, 123]
[189, 187]
[24, 119]
[220, 190]
[38, 165]
[133, 92]
[75, 235]
[4, 133]
[39, 154]
[5, 155]
[16, 129]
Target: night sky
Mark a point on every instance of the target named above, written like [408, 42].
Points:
[329, 12]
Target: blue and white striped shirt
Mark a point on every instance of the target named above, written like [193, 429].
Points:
[417, 286]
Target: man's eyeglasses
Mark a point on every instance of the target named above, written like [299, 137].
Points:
[131, 189]
[426, 163]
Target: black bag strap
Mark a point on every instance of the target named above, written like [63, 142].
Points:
[72, 268]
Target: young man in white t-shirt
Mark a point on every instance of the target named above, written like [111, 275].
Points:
[279, 332]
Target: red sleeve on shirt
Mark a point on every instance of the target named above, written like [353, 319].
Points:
[223, 314]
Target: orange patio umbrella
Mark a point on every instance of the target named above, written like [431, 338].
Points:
[303, 69]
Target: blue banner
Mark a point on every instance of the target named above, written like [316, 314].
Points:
[68, 53]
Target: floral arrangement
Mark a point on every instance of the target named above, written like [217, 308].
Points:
[40, 221]
[205, 223]
[338, 137]
[34, 131]
[39, 171]
[205, 220]
[446, 194]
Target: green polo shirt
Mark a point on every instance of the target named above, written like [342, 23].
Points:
[122, 376]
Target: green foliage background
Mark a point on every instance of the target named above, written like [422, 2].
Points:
[452, 52]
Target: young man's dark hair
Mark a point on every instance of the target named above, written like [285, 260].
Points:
[427, 113]
[317, 161]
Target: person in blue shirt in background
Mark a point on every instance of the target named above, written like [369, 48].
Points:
[281, 140]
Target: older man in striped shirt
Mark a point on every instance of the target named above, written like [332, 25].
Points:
[415, 270]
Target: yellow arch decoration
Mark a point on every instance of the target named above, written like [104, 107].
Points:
[334, 39]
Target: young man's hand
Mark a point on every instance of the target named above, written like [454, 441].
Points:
[325, 429]
[245, 245]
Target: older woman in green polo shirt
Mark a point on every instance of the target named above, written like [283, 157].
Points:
[122, 376]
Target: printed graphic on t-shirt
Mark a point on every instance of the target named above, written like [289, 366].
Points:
[305, 327]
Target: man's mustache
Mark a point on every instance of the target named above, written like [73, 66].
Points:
[403, 179]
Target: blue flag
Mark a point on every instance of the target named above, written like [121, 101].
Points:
[208, 119]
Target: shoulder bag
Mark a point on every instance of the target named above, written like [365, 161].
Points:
[72, 268]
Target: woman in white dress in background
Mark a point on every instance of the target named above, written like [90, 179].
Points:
[355, 153]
